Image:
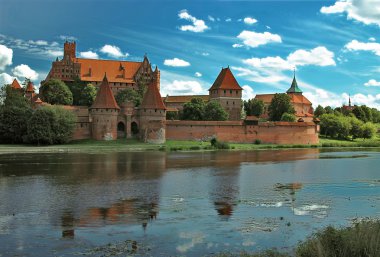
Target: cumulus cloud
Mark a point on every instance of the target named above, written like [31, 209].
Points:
[228, 20]
[70, 38]
[38, 42]
[113, 51]
[372, 39]
[6, 55]
[249, 20]
[365, 11]
[211, 18]
[24, 71]
[247, 92]
[198, 74]
[176, 62]
[355, 45]
[89, 55]
[182, 87]
[5, 79]
[271, 69]
[255, 39]
[237, 45]
[197, 25]
[372, 83]
[54, 53]
[319, 56]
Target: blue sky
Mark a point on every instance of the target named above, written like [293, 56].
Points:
[334, 45]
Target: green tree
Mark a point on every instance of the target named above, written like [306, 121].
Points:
[83, 94]
[288, 117]
[368, 113]
[329, 110]
[356, 127]
[375, 115]
[128, 94]
[50, 125]
[319, 111]
[193, 110]
[254, 107]
[55, 91]
[368, 130]
[214, 111]
[279, 105]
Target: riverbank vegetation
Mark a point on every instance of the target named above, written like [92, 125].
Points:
[362, 239]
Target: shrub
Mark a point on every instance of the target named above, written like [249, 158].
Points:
[288, 117]
[257, 142]
[219, 145]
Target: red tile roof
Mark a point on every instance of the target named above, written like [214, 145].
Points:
[225, 80]
[104, 97]
[117, 71]
[30, 87]
[152, 98]
[15, 84]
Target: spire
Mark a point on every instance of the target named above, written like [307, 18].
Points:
[294, 87]
[15, 84]
[104, 98]
[349, 100]
[225, 80]
[30, 87]
[152, 98]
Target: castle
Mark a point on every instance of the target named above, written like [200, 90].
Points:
[106, 120]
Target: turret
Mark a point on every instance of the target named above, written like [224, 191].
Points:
[152, 116]
[29, 91]
[227, 91]
[156, 78]
[104, 112]
[294, 89]
[69, 50]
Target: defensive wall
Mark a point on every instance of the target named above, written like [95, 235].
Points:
[240, 132]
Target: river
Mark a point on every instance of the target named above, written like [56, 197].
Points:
[180, 203]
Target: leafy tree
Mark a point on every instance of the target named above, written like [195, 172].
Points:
[368, 113]
[172, 115]
[375, 115]
[50, 125]
[14, 112]
[254, 107]
[55, 91]
[214, 111]
[359, 112]
[329, 110]
[356, 127]
[83, 94]
[319, 111]
[193, 110]
[279, 105]
[288, 117]
[128, 94]
[368, 130]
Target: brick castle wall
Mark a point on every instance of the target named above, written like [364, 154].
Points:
[238, 132]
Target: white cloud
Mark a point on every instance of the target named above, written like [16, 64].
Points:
[176, 62]
[54, 53]
[249, 20]
[182, 87]
[5, 79]
[254, 39]
[69, 38]
[355, 45]
[89, 55]
[269, 62]
[268, 27]
[318, 56]
[228, 20]
[237, 45]
[365, 11]
[6, 55]
[372, 101]
[372, 83]
[372, 39]
[198, 25]
[24, 71]
[38, 42]
[198, 74]
[113, 51]
[248, 92]
[211, 18]
[205, 54]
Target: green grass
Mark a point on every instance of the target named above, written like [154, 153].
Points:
[328, 142]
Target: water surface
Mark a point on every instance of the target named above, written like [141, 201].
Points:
[188, 204]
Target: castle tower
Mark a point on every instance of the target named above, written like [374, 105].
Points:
[152, 116]
[104, 112]
[294, 89]
[16, 85]
[227, 91]
[69, 50]
[29, 91]
[157, 77]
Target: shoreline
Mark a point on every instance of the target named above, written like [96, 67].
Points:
[132, 145]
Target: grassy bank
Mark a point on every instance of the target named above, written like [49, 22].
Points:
[120, 145]
[362, 239]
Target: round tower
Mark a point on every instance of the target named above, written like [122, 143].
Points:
[104, 112]
[152, 114]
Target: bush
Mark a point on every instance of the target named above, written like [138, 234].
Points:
[288, 117]
[368, 130]
[219, 145]
[257, 142]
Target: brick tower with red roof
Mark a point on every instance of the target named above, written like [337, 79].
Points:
[227, 91]
[153, 115]
[104, 113]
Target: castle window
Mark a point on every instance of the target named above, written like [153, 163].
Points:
[224, 91]
[230, 91]
[233, 103]
[236, 92]
[155, 110]
[227, 102]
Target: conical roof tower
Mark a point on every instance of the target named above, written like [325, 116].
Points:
[294, 89]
